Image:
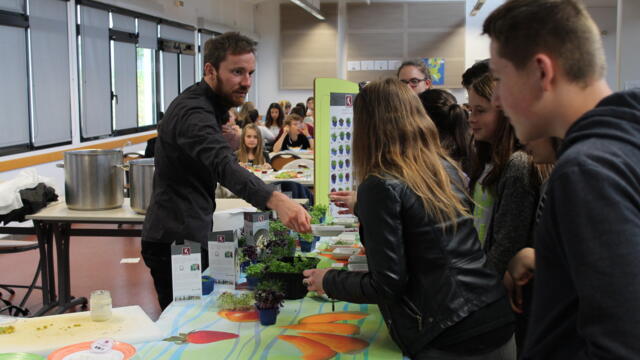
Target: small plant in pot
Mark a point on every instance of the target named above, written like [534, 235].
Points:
[318, 213]
[306, 242]
[248, 256]
[269, 299]
[254, 272]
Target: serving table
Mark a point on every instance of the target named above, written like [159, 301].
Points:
[54, 223]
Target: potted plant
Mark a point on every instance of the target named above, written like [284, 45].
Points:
[341, 149]
[318, 213]
[333, 163]
[306, 242]
[269, 299]
[281, 243]
[232, 302]
[340, 164]
[254, 272]
[288, 271]
[334, 121]
[334, 137]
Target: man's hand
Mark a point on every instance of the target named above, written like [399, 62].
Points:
[292, 214]
[344, 199]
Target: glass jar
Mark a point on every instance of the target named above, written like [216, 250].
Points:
[100, 304]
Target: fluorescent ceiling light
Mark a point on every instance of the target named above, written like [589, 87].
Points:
[307, 5]
[477, 7]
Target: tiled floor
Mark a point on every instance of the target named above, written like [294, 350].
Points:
[95, 264]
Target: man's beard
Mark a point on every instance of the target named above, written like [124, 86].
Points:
[219, 89]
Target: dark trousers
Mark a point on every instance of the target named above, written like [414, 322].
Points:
[157, 257]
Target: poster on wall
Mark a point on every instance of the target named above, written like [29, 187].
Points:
[436, 69]
[341, 131]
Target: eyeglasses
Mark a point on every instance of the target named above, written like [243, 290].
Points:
[413, 81]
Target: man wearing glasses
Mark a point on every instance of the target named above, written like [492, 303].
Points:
[415, 74]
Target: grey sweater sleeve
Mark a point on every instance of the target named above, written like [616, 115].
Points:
[513, 212]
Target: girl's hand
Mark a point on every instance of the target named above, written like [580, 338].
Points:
[344, 199]
[313, 279]
[266, 166]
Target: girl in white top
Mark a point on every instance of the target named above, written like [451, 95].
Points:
[274, 119]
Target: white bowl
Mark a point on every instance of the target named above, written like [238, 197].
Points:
[344, 253]
[326, 230]
[358, 267]
[348, 236]
[345, 220]
[358, 259]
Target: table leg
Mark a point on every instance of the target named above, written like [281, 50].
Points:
[62, 237]
[45, 246]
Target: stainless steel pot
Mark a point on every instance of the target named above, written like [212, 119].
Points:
[93, 179]
[141, 184]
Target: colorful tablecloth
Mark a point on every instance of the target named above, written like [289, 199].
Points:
[263, 342]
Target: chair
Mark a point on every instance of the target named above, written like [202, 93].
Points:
[10, 246]
[298, 163]
[280, 160]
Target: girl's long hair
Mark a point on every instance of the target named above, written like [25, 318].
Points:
[452, 122]
[258, 152]
[394, 137]
[498, 154]
[505, 145]
[243, 115]
[270, 121]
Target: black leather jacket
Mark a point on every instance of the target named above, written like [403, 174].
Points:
[423, 279]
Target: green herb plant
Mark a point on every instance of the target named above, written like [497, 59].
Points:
[255, 270]
[232, 302]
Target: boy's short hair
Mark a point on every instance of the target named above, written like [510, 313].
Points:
[475, 72]
[217, 48]
[561, 28]
[291, 118]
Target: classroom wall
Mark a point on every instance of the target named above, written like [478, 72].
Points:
[267, 78]
[217, 15]
[629, 46]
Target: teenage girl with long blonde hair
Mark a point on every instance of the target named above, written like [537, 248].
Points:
[427, 271]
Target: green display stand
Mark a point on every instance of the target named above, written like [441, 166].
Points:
[323, 88]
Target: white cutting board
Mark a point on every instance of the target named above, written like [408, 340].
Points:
[128, 324]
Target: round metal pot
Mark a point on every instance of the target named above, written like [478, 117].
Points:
[141, 184]
[93, 179]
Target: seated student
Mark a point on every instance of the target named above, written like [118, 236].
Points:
[267, 135]
[286, 106]
[231, 131]
[300, 111]
[274, 119]
[243, 114]
[251, 150]
[427, 272]
[294, 135]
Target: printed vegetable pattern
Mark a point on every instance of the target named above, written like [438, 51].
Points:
[372, 342]
[201, 337]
